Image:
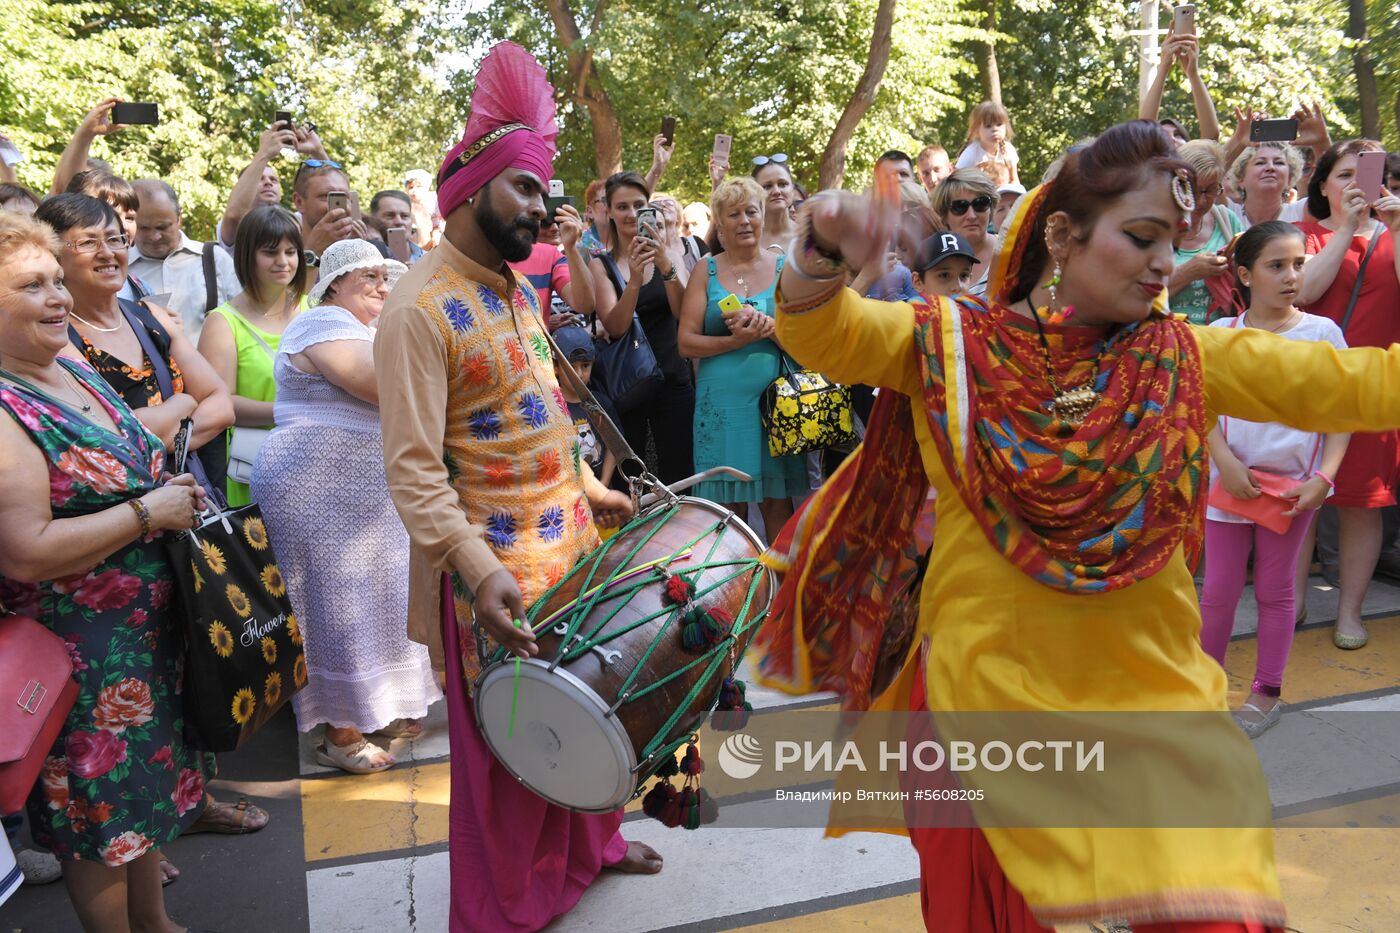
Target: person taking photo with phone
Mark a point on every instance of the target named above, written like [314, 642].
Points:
[639, 278]
[321, 222]
[1181, 50]
[557, 266]
[394, 209]
[1353, 277]
[259, 183]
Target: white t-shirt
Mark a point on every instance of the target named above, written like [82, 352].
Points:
[1272, 447]
[1293, 212]
[974, 155]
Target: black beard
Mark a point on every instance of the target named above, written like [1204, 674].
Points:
[515, 240]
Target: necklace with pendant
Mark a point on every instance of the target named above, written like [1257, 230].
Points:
[1074, 405]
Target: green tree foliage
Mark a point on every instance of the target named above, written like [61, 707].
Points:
[387, 81]
[362, 70]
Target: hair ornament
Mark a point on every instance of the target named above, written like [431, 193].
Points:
[1182, 191]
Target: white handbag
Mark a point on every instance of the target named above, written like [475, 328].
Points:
[243, 449]
[244, 443]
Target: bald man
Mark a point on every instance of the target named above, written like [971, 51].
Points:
[197, 276]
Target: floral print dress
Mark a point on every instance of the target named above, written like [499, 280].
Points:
[120, 779]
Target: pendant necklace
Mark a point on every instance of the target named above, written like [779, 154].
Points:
[1072, 406]
[86, 406]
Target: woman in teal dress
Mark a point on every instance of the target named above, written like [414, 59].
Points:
[81, 517]
[738, 359]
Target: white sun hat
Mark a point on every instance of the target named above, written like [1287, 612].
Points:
[347, 256]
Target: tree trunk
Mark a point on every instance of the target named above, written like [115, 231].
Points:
[833, 162]
[588, 88]
[986, 54]
[1365, 70]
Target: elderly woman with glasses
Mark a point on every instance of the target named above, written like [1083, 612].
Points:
[134, 347]
[1200, 253]
[83, 509]
[963, 204]
[343, 551]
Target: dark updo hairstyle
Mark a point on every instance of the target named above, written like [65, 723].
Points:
[1119, 161]
[1318, 205]
[65, 211]
[623, 180]
[266, 227]
[1247, 247]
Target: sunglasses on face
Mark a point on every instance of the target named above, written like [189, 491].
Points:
[778, 157]
[981, 204]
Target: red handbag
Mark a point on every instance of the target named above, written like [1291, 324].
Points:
[37, 691]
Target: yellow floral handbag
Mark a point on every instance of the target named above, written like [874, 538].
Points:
[803, 411]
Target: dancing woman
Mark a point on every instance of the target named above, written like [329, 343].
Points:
[1063, 427]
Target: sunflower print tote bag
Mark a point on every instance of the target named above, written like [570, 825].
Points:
[243, 652]
[803, 411]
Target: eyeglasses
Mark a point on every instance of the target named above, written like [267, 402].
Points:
[981, 204]
[778, 157]
[116, 242]
[1214, 191]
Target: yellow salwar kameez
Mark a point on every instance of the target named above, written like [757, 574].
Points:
[998, 641]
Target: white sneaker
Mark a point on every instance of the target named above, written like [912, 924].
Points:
[38, 867]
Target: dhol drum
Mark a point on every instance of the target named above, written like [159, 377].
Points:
[617, 687]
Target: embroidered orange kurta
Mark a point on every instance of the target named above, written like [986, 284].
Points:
[482, 455]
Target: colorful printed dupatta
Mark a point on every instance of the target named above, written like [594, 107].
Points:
[1084, 509]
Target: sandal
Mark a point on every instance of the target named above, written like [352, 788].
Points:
[357, 759]
[169, 874]
[1257, 727]
[401, 729]
[1350, 642]
[247, 817]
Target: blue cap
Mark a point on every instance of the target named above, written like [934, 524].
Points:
[575, 343]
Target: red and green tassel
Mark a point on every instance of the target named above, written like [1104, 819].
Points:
[704, 628]
[732, 710]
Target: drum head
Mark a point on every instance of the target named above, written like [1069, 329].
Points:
[564, 747]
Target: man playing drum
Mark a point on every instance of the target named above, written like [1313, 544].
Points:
[484, 468]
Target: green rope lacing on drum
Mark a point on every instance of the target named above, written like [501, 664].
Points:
[713, 658]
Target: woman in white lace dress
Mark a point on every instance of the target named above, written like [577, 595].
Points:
[343, 551]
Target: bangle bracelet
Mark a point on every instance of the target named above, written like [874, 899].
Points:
[143, 513]
[807, 246]
[672, 275]
[794, 250]
[1326, 479]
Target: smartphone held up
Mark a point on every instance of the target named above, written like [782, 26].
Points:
[128, 113]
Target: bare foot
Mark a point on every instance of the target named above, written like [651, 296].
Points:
[641, 859]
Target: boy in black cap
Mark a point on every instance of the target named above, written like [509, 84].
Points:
[944, 265]
[577, 346]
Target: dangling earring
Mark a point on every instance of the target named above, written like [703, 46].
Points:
[1057, 314]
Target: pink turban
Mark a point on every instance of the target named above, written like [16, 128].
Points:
[468, 168]
[511, 125]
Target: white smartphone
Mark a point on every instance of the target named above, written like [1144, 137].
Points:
[1184, 20]
[723, 144]
[10, 155]
[556, 188]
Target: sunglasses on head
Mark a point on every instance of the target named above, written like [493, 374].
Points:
[318, 163]
[981, 204]
[778, 157]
